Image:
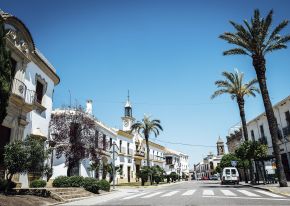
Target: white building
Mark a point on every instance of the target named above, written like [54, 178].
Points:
[176, 162]
[31, 99]
[258, 130]
[104, 135]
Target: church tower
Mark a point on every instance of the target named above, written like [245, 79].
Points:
[128, 119]
[220, 147]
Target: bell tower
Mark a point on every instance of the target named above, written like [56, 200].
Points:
[220, 147]
[128, 118]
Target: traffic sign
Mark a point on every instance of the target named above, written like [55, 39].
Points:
[234, 163]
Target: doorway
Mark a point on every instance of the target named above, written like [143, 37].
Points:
[128, 174]
[286, 166]
[5, 133]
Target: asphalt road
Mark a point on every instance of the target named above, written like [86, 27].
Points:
[199, 193]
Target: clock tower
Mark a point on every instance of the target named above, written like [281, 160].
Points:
[128, 119]
[220, 147]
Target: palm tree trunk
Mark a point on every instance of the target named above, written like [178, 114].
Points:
[241, 103]
[148, 151]
[259, 64]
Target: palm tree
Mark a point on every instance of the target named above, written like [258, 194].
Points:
[145, 127]
[234, 86]
[256, 40]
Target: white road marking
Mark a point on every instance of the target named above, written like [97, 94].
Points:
[133, 196]
[269, 193]
[228, 193]
[208, 193]
[189, 192]
[250, 198]
[152, 195]
[170, 194]
[247, 193]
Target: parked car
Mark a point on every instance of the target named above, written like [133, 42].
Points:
[230, 175]
[204, 178]
[214, 177]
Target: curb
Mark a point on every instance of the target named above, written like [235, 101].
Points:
[269, 190]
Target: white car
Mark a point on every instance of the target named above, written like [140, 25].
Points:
[230, 175]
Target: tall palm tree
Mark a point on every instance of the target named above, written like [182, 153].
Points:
[146, 127]
[256, 39]
[234, 86]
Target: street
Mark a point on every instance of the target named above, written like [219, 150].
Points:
[199, 193]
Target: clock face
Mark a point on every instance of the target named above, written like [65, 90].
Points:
[126, 123]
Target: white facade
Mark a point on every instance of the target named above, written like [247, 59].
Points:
[258, 130]
[30, 103]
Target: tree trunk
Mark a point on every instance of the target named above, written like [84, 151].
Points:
[148, 151]
[241, 103]
[259, 64]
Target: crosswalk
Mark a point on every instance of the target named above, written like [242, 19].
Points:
[233, 193]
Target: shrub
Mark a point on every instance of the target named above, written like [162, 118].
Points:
[5, 186]
[76, 181]
[104, 185]
[91, 184]
[61, 181]
[38, 183]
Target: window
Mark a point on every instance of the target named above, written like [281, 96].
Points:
[120, 146]
[253, 135]
[39, 91]
[128, 148]
[287, 116]
[104, 142]
[121, 170]
[234, 172]
[262, 131]
[168, 160]
[13, 64]
[111, 142]
[97, 139]
[228, 172]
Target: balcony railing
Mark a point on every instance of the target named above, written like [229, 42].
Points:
[140, 153]
[20, 89]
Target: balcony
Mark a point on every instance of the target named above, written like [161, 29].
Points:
[140, 153]
[22, 94]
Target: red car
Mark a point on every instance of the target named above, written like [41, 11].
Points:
[204, 178]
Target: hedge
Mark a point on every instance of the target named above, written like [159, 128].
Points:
[61, 181]
[91, 184]
[104, 185]
[76, 181]
[38, 183]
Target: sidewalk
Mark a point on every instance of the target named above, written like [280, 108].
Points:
[275, 188]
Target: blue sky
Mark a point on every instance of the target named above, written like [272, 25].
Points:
[167, 53]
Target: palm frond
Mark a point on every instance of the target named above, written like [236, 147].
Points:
[236, 51]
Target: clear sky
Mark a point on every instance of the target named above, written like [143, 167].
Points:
[166, 52]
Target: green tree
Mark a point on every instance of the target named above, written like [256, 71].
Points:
[256, 39]
[227, 159]
[15, 158]
[146, 127]
[234, 86]
[6, 73]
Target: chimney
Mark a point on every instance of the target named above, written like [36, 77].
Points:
[89, 108]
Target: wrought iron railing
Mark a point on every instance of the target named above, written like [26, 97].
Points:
[140, 153]
[20, 89]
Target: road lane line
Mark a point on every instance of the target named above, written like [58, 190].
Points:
[208, 193]
[189, 192]
[133, 196]
[269, 193]
[228, 193]
[170, 194]
[152, 195]
[247, 193]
